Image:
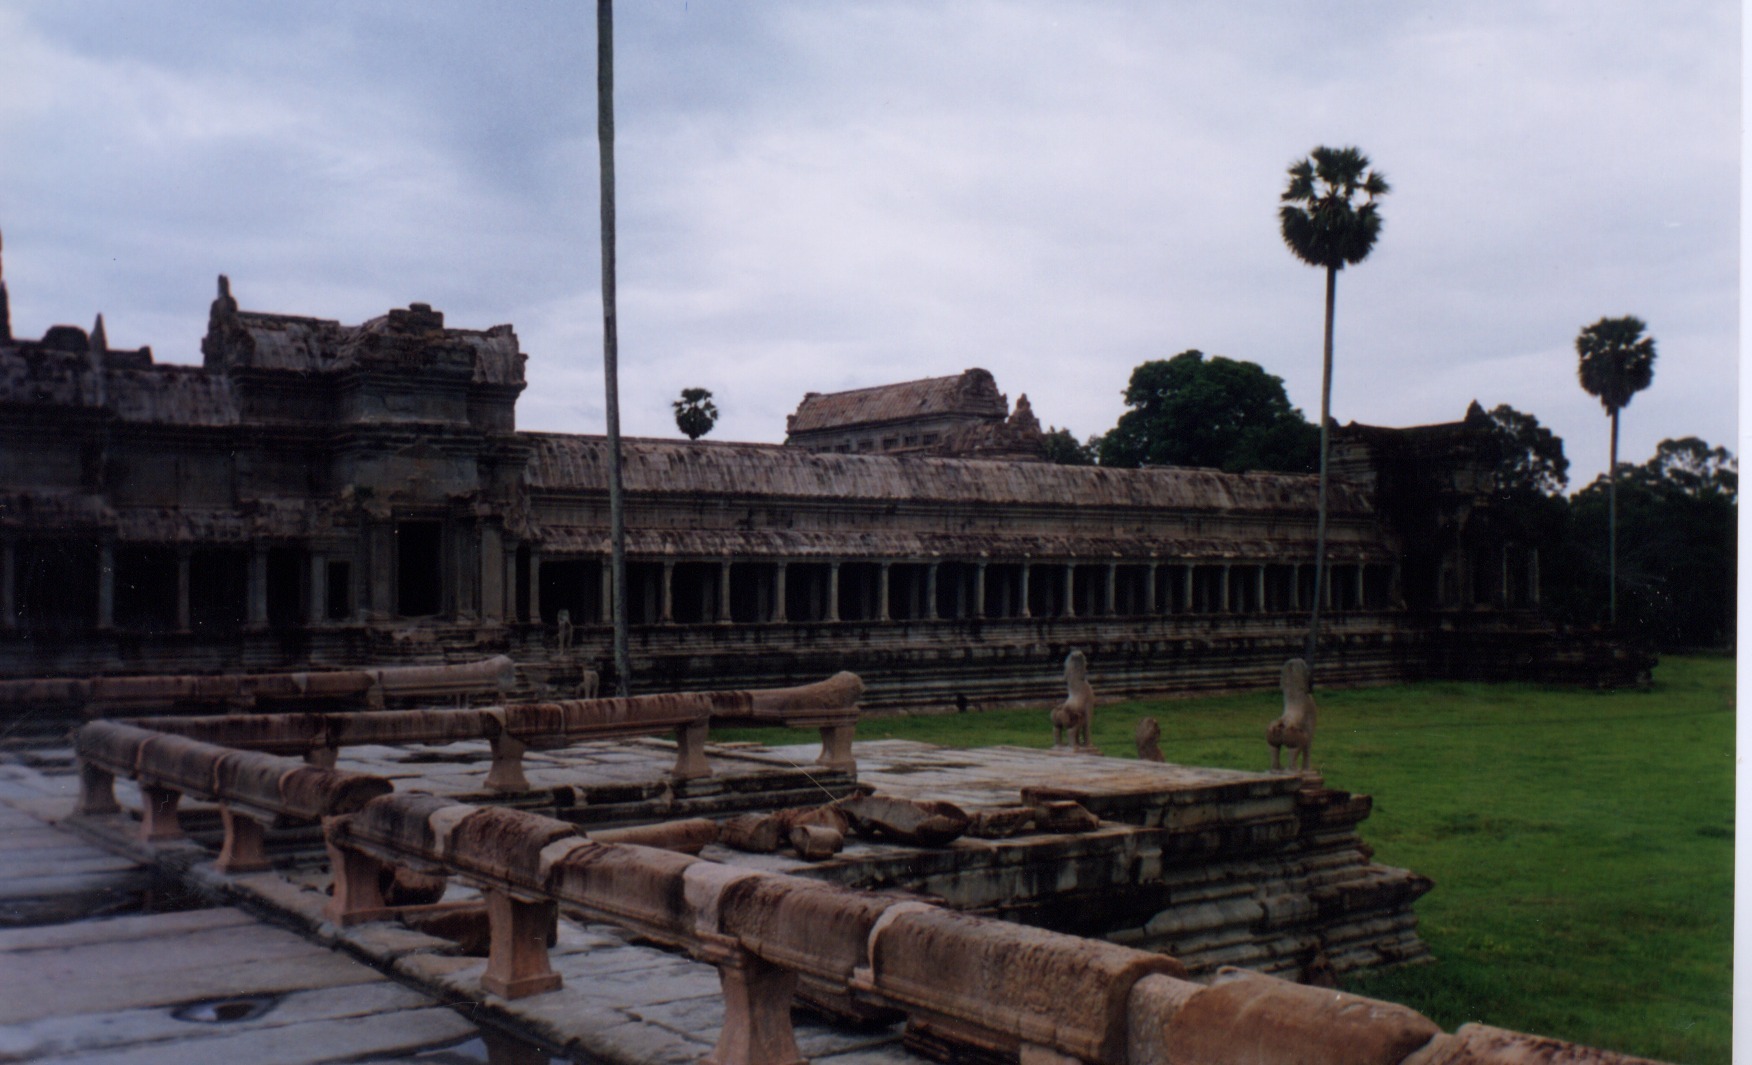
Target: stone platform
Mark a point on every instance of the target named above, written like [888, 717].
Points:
[1216, 867]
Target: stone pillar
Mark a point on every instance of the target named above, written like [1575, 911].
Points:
[1532, 576]
[1503, 581]
[666, 612]
[882, 593]
[1259, 588]
[492, 559]
[605, 594]
[1362, 584]
[1223, 592]
[1025, 612]
[380, 568]
[1150, 588]
[9, 585]
[833, 591]
[258, 587]
[931, 591]
[316, 609]
[778, 613]
[1186, 588]
[1070, 590]
[1295, 586]
[724, 591]
[1112, 604]
[979, 589]
[106, 584]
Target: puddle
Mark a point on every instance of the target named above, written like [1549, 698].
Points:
[226, 1010]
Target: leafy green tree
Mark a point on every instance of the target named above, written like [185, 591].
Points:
[1196, 411]
[1616, 362]
[1531, 456]
[695, 413]
[1062, 448]
[1678, 515]
[1324, 226]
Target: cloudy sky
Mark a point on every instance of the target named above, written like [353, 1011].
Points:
[822, 196]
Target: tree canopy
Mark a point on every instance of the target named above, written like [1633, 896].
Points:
[1615, 360]
[1196, 411]
[695, 413]
[1321, 222]
[1531, 456]
[1677, 562]
[1062, 448]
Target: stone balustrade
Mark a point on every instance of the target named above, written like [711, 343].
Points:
[107, 695]
[1041, 996]
[253, 789]
[830, 705]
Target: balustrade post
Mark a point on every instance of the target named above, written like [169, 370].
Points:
[243, 850]
[757, 1014]
[517, 956]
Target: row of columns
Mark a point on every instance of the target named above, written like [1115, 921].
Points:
[1066, 599]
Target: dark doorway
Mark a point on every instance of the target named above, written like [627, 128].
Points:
[285, 586]
[340, 591]
[57, 585]
[145, 587]
[218, 590]
[419, 557]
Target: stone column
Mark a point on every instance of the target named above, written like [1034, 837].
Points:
[979, 589]
[605, 594]
[1070, 590]
[778, 613]
[1150, 588]
[1532, 575]
[1223, 594]
[258, 587]
[882, 593]
[316, 610]
[1186, 588]
[8, 585]
[1025, 612]
[1112, 604]
[1503, 582]
[182, 588]
[931, 591]
[1361, 584]
[106, 584]
[833, 591]
[1295, 586]
[492, 559]
[724, 592]
[666, 613]
[1259, 588]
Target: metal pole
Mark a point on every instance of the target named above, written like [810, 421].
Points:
[610, 337]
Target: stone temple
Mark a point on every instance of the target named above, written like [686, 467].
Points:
[319, 494]
[337, 536]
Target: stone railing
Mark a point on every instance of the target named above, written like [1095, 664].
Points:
[830, 705]
[105, 696]
[1042, 997]
[253, 790]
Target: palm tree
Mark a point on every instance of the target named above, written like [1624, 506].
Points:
[1324, 226]
[695, 413]
[1617, 362]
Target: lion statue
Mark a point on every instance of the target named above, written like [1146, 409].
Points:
[1071, 720]
[1295, 729]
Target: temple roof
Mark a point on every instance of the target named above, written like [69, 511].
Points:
[579, 463]
[971, 393]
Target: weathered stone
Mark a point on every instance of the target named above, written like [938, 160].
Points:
[688, 836]
[755, 833]
[1480, 1044]
[1287, 1023]
[928, 823]
[1147, 737]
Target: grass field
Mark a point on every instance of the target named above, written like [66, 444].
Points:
[1581, 842]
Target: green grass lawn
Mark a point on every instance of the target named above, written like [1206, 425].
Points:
[1581, 842]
